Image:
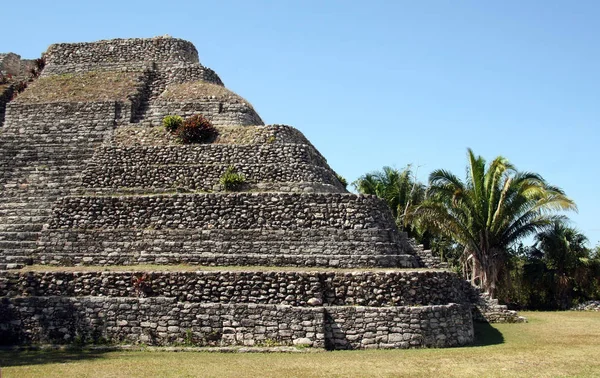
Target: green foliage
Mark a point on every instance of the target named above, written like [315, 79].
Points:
[231, 180]
[398, 188]
[196, 129]
[495, 207]
[342, 180]
[172, 122]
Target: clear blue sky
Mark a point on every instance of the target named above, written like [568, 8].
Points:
[374, 83]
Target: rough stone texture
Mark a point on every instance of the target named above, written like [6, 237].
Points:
[155, 321]
[115, 204]
[133, 51]
[398, 327]
[6, 93]
[593, 305]
[373, 289]
[488, 310]
[160, 321]
[10, 64]
[200, 167]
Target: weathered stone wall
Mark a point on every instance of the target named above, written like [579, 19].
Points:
[163, 321]
[34, 119]
[374, 289]
[398, 327]
[155, 321]
[324, 247]
[199, 167]
[208, 154]
[206, 177]
[221, 113]
[134, 51]
[236, 211]
[5, 96]
[10, 64]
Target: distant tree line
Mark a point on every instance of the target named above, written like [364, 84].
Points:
[478, 226]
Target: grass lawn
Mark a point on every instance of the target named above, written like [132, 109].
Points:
[551, 344]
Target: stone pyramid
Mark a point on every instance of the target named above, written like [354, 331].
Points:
[91, 178]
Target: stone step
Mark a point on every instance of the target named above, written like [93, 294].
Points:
[23, 245]
[19, 235]
[21, 227]
[40, 203]
[17, 219]
[212, 259]
[25, 212]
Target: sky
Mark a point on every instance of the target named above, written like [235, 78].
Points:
[376, 83]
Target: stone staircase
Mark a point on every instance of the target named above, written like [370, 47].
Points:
[39, 166]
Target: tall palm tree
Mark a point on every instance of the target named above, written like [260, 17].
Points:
[399, 189]
[495, 207]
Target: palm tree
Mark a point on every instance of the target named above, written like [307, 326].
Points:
[493, 209]
[397, 188]
[568, 260]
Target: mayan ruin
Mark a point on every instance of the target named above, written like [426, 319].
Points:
[113, 230]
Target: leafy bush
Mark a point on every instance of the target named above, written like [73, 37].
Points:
[231, 180]
[342, 180]
[172, 122]
[196, 129]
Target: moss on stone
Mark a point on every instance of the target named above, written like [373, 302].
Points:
[89, 86]
[197, 90]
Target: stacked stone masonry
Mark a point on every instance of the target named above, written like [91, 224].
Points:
[164, 321]
[74, 193]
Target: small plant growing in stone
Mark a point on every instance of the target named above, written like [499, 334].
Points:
[231, 180]
[141, 285]
[172, 122]
[196, 129]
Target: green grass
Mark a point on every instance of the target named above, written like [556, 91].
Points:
[552, 344]
[90, 86]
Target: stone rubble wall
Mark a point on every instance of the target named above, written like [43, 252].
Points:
[196, 154]
[5, 96]
[488, 310]
[593, 305]
[272, 247]
[236, 211]
[398, 327]
[205, 177]
[360, 288]
[134, 51]
[199, 167]
[33, 119]
[164, 321]
[219, 112]
[155, 321]
[10, 64]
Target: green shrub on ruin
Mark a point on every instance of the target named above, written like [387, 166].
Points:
[231, 180]
[172, 122]
[196, 129]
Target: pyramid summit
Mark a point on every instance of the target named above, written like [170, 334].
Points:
[92, 183]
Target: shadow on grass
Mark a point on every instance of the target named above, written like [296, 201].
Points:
[42, 357]
[485, 334]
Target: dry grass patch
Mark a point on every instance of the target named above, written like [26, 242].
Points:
[196, 90]
[158, 136]
[90, 86]
[552, 344]
[194, 268]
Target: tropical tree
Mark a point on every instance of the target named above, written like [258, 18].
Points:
[398, 188]
[495, 207]
[568, 263]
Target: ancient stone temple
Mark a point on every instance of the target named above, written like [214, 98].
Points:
[90, 178]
